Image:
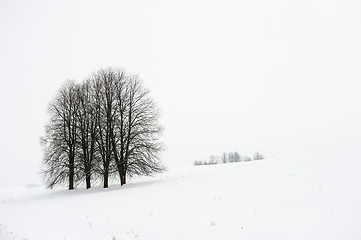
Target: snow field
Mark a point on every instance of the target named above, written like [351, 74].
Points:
[308, 196]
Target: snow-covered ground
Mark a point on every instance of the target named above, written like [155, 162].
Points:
[308, 196]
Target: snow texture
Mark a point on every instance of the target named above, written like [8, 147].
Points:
[308, 196]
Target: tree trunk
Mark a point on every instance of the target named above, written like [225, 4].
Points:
[120, 177]
[87, 179]
[120, 171]
[71, 173]
[123, 180]
[105, 185]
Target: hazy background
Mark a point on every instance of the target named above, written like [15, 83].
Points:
[277, 77]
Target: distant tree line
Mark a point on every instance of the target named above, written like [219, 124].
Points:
[105, 127]
[229, 158]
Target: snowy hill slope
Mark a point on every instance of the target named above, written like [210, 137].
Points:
[309, 196]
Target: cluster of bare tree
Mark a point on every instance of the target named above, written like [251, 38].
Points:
[229, 158]
[108, 126]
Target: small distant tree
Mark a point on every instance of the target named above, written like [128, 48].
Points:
[213, 159]
[197, 163]
[237, 157]
[224, 158]
[257, 156]
[231, 157]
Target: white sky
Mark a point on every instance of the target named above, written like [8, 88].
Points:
[272, 76]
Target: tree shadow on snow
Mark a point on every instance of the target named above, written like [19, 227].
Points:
[98, 189]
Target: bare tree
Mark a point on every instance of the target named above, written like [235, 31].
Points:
[128, 127]
[237, 157]
[230, 157]
[103, 82]
[198, 162]
[60, 138]
[87, 121]
[120, 127]
[139, 138]
[108, 124]
[257, 156]
[213, 159]
[224, 158]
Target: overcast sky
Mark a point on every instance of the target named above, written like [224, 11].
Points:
[277, 77]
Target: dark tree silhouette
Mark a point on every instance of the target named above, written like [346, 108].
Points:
[108, 124]
[104, 85]
[61, 137]
[137, 130]
[87, 121]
